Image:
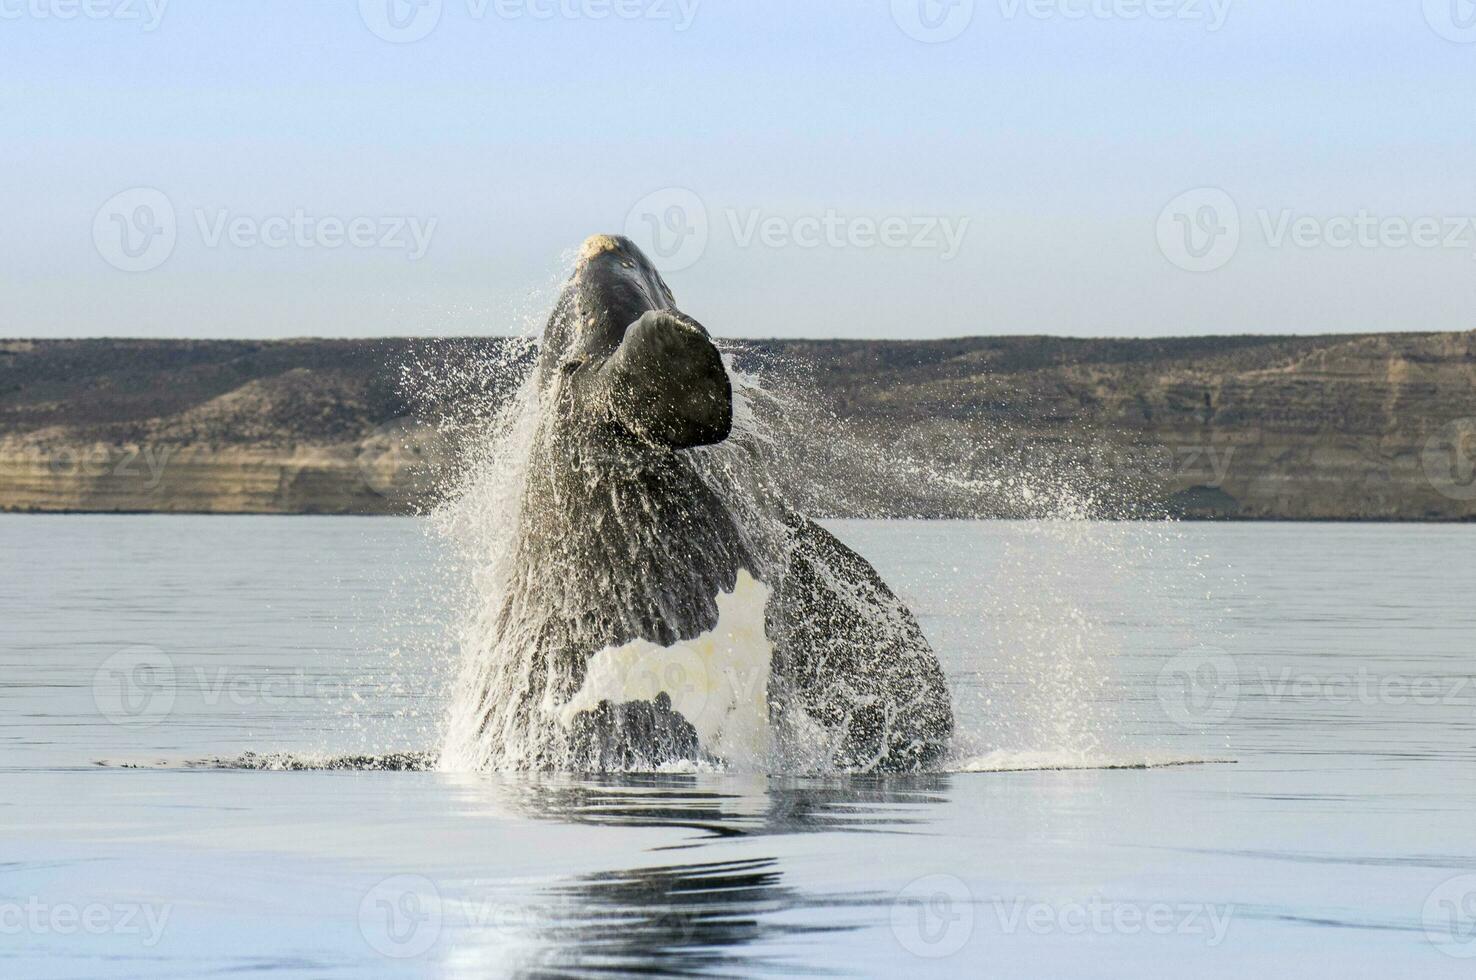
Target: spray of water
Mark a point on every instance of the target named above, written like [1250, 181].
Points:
[1031, 686]
[1037, 641]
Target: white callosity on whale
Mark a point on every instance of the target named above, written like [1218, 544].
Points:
[718, 681]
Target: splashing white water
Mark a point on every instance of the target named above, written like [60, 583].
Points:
[1052, 652]
[1042, 761]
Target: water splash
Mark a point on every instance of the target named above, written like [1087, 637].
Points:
[1004, 761]
[1039, 650]
[1054, 655]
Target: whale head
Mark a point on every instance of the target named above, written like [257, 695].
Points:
[618, 350]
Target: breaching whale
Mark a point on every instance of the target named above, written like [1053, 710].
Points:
[648, 616]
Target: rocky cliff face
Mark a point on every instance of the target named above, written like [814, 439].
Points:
[1363, 427]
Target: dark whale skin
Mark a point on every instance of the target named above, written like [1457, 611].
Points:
[620, 537]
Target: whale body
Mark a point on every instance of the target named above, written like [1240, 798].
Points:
[648, 619]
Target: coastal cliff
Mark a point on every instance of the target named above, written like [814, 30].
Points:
[1362, 427]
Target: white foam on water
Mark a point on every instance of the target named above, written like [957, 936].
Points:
[718, 681]
[1046, 760]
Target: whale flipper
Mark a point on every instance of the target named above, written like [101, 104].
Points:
[667, 382]
[855, 659]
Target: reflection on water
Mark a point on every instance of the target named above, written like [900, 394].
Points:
[778, 805]
[683, 920]
[701, 918]
[707, 917]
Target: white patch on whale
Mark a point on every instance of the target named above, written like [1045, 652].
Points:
[719, 681]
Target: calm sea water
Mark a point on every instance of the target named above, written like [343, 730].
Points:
[1318, 678]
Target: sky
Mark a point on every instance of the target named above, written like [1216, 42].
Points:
[848, 168]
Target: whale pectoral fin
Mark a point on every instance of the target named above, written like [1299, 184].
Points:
[856, 658]
[632, 736]
[666, 382]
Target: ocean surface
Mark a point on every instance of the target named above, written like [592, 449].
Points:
[1210, 750]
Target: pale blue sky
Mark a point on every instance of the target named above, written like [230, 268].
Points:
[1049, 144]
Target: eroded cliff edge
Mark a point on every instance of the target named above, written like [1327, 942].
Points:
[1365, 427]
